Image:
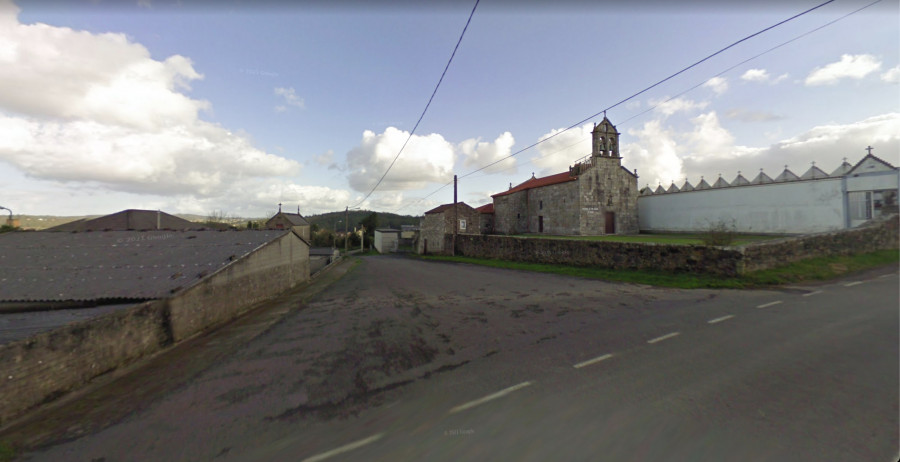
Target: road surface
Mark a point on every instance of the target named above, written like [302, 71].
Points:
[404, 359]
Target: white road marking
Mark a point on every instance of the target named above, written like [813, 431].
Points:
[766, 305]
[854, 283]
[343, 449]
[660, 339]
[723, 318]
[812, 293]
[592, 361]
[499, 394]
[886, 276]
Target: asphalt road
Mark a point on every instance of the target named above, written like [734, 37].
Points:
[411, 360]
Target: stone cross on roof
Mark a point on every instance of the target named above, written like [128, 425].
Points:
[869, 149]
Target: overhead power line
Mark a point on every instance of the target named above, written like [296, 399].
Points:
[426, 107]
[576, 124]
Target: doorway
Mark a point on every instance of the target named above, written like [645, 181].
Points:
[540, 223]
[610, 223]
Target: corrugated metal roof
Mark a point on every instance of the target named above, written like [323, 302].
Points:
[46, 266]
[130, 219]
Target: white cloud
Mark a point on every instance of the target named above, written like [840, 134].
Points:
[563, 149]
[892, 75]
[654, 154]
[326, 159]
[675, 105]
[426, 159]
[290, 98]
[97, 110]
[850, 67]
[762, 76]
[479, 153]
[718, 85]
[744, 115]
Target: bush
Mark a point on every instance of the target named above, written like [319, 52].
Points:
[719, 233]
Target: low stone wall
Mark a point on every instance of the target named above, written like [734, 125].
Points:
[277, 266]
[606, 254]
[47, 365]
[721, 261]
[769, 254]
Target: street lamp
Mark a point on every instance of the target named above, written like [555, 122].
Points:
[10, 220]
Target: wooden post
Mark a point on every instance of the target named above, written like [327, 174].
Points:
[455, 217]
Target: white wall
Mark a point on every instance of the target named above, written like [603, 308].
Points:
[795, 207]
[386, 241]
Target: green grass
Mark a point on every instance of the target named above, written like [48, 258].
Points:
[687, 239]
[813, 269]
[7, 453]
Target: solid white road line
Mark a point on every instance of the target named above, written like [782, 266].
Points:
[660, 339]
[723, 318]
[766, 305]
[812, 293]
[886, 276]
[854, 283]
[593, 361]
[343, 449]
[499, 394]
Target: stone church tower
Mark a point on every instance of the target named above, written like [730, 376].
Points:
[608, 191]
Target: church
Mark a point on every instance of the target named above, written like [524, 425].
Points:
[596, 196]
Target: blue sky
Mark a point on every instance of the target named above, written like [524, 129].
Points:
[194, 106]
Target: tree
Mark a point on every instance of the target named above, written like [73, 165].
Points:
[370, 222]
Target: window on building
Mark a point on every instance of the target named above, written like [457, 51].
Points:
[861, 205]
[462, 225]
[541, 205]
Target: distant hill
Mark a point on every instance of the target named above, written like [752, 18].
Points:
[324, 220]
[385, 220]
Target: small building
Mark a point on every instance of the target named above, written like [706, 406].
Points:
[486, 218]
[443, 220]
[284, 220]
[387, 240]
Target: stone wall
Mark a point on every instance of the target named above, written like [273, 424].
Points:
[556, 205]
[47, 365]
[722, 261]
[605, 254]
[769, 254]
[264, 273]
[509, 213]
[50, 364]
[434, 226]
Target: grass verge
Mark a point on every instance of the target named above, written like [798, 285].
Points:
[7, 453]
[808, 270]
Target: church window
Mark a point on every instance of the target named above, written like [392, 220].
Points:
[541, 205]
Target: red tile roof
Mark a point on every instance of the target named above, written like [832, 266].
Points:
[540, 182]
[486, 208]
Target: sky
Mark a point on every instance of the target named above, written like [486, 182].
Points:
[234, 107]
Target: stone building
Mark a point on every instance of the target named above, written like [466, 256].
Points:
[596, 196]
[295, 221]
[485, 218]
[440, 221]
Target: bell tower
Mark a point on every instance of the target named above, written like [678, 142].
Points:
[605, 140]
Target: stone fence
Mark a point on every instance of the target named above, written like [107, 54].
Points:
[49, 364]
[714, 260]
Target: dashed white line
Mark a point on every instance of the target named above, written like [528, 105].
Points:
[812, 293]
[499, 394]
[593, 361]
[886, 276]
[343, 449]
[723, 318]
[766, 305]
[854, 283]
[667, 336]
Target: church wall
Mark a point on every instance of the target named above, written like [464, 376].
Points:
[606, 187]
[510, 213]
[558, 205]
[786, 208]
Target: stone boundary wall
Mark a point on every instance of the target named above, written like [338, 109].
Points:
[721, 261]
[881, 235]
[50, 364]
[606, 254]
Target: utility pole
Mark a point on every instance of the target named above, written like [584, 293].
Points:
[455, 217]
[346, 222]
